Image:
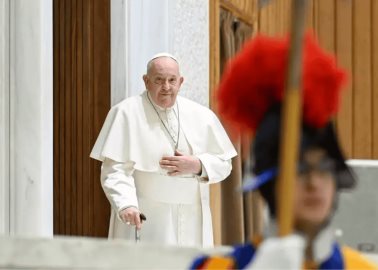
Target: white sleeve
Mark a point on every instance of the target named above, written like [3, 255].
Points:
[118, 184]
[214, 169]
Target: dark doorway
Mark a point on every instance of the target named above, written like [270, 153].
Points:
[81, 37]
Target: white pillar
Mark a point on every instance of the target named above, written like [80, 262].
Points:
[4, 116]
[31, 114]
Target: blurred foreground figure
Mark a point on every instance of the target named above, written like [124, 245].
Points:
[250, 97]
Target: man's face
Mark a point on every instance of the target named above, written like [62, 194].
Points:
[163, 81]
[314, 191]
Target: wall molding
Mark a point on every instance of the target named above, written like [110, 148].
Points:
[4, 117]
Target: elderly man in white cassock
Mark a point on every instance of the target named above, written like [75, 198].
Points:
[159, 153]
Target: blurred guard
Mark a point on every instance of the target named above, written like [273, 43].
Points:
[250, 97]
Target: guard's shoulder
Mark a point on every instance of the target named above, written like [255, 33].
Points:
[355, 260]
[239, 258]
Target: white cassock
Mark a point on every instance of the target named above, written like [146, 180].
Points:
[131, 143]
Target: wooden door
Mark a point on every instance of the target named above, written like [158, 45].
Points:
[81, 38]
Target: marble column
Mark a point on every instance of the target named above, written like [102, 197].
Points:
[31, 114]
[4, 116]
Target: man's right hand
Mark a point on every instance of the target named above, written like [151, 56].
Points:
[131, 216]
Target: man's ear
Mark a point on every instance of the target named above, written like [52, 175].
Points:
[181, 80]
[146, 80]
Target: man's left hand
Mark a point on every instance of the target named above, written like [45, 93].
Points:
[181, 164]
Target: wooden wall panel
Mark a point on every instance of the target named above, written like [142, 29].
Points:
[81, 102]
[66, 117]
[310, 18]
[344, 40]
[374, 16]
[274, 18]
[362, 125]
[215, 189]
[350, 30]
[264, 20]
[56, 137]
[326, 24]
[79, 127]
[243, 9]
[100, 102]
[284, 16]
[87, 87]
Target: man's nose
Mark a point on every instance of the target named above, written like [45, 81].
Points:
[166, 84]
[314, 178]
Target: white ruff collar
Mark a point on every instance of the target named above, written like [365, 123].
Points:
[322, 244]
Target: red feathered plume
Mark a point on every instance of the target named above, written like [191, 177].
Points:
[254, 80]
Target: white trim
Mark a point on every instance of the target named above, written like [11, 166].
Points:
[46, 125]
[363, 162]
[4, 117]
[12, 184]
